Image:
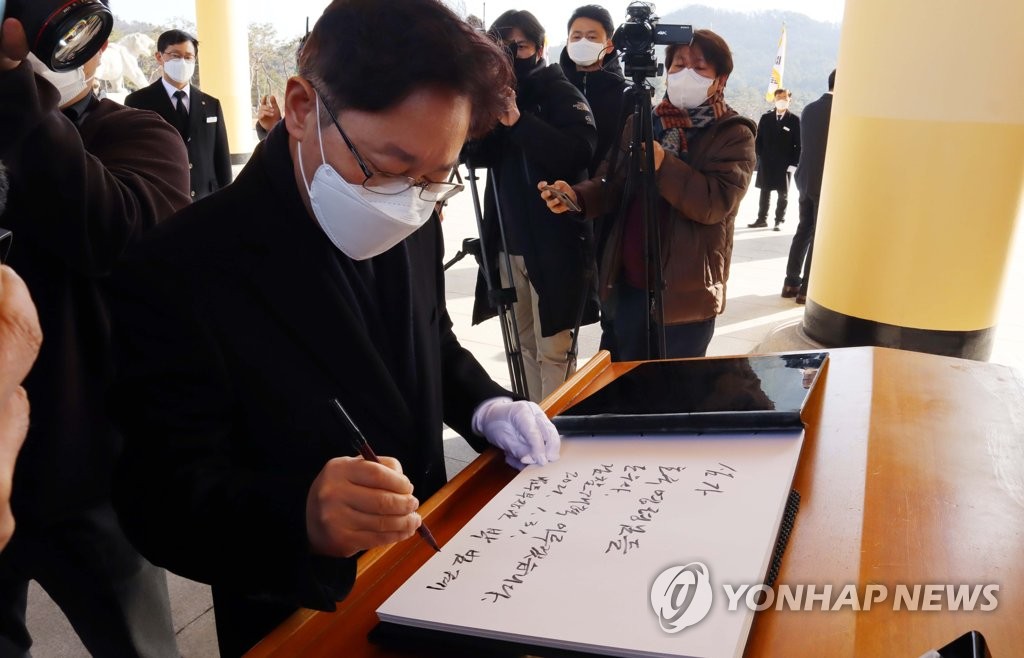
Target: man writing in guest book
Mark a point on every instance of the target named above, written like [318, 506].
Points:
[315, 276]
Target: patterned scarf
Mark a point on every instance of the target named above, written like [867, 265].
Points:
[678, 126]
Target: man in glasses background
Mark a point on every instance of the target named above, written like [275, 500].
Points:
[196, 115]
[315, 275]
[547, 129]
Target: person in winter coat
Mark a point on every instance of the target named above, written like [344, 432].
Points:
[591, 64]
[547, 132]
[703, 160]
[778, 152]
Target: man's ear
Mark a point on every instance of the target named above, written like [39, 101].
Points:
[300, 104]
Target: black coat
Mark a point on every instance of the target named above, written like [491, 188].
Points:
[80, 193]
[233, 335]
[206, 139]
[554, 139]
[778, 147]
[605, 91]
[814, 132]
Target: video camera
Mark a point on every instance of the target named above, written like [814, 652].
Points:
[636, 39]
[63, 35]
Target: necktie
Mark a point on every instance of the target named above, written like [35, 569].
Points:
[179, 106]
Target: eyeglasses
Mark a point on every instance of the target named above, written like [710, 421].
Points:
[176, 57]
[390, 184]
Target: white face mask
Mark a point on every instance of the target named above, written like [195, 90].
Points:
[360, 223]
[687, 89]
[585, 52]
[179, 70]
[69, 83]
[781, 106]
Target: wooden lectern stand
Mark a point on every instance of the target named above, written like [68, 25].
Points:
[912, 473]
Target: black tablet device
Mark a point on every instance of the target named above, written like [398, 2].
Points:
[728, 394]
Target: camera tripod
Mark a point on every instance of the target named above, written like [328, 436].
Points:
[640, 180]
[502, 298]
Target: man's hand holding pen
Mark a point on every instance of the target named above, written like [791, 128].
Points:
[355, 505]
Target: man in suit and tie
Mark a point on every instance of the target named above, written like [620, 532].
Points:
[314, 276]
[808, 181]
[196, 115]
[778, 151]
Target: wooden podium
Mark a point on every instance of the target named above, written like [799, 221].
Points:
[912, 473]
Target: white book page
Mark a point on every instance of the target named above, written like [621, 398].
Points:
[566, 554]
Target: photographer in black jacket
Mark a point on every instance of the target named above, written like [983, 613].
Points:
[547, 133]
[87, 178]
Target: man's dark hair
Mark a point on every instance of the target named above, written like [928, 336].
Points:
[594, 13]
[344, 58]
[173, 38]
[715, 49]
[832, 80]
[522, 19]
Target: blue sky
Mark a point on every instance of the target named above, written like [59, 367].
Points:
[289, 16]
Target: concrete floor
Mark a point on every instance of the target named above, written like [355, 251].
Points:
[754, 308]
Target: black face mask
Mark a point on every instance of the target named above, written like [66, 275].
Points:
[523, 67]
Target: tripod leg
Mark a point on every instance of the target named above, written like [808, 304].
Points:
[509, 330]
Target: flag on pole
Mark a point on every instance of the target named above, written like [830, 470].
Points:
[777, 68]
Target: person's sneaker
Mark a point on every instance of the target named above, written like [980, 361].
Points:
[778, 224]
[758, 224]
[790, 291]
[801, 297]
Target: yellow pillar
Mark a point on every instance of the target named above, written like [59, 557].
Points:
[923, 176]
[224, 67]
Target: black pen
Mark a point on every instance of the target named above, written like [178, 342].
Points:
[360, 443]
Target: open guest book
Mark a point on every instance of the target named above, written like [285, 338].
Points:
[629, 545]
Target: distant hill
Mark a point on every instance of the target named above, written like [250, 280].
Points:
[811, 53]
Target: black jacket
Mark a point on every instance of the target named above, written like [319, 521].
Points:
[605, 91]
[814, 133]
[207, 139]
[778, 147]
[234, 333]
[553, 139]
[80, 192]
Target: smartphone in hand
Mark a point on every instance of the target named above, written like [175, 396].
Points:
[563, 197]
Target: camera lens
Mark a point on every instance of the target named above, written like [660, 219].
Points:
[63, 35]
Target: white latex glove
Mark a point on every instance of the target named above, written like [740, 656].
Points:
[520, 429]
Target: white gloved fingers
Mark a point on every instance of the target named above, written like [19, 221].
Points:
[520, 429]
[552, 441]
[514, 461]
[525, 423]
